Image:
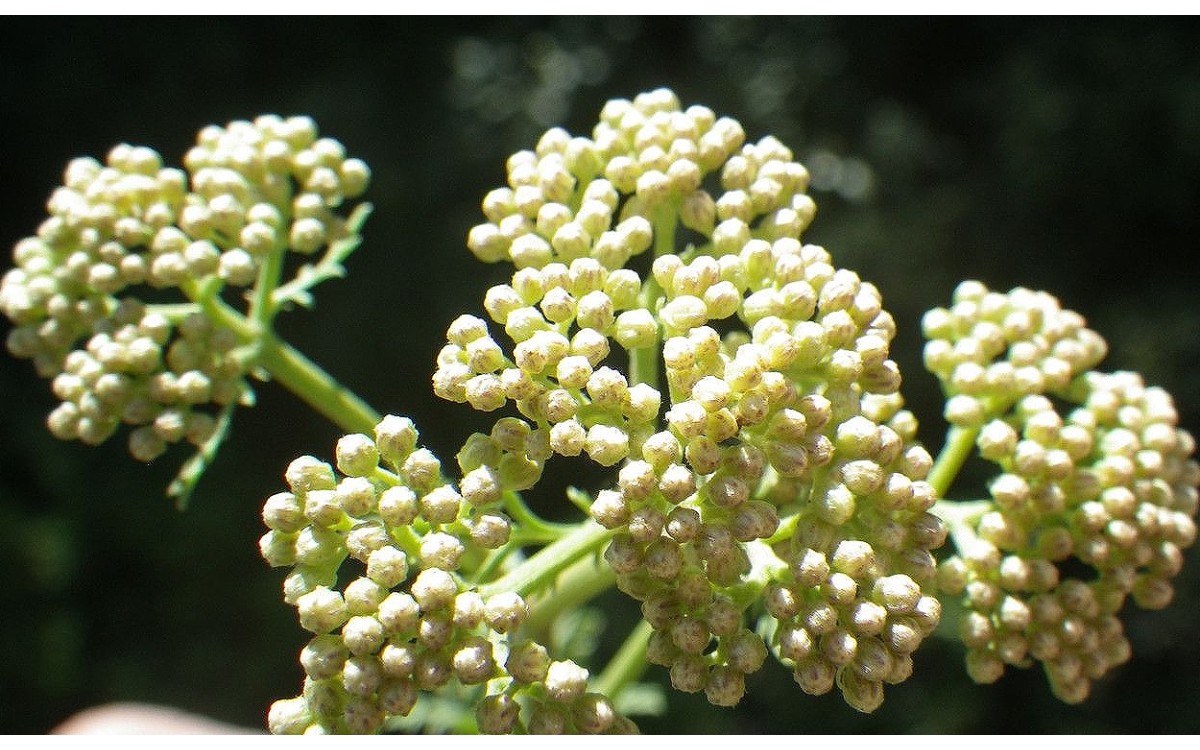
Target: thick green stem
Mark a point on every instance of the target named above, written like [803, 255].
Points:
[262, 310]
[960, 518]
[316, 387]
[540, 570]
[292, 369]
[627, 665]
[955, 452]
[643, 361]
[587, 578]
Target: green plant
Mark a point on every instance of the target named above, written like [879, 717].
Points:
[768, 496]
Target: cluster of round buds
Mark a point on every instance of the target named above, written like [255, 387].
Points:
[683, 539]
[141, 369]
[413, 620]
[990, 349]
[792, 430]
[93, 246]
[255, 189]
[560, 319]
[812, 393]
[576, 197]
[1110, 486]
[547, 697]
[264, 185]
[853, 602]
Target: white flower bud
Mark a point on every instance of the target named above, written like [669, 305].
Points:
[289, 716]
[398, 506]
[355, 496]
[497, 714]
[505, 612]
[363, 635]
[440, 505]
[473, 662]
[565, 681]
[434, 589]
[610, 509]
[606, 445]
[489, 530]
[399, 613]
[441, 550]
[387, 566]
[322, 610]
[361, 676]
[283, 512]
[363, 596]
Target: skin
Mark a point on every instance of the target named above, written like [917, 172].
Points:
[143, 718]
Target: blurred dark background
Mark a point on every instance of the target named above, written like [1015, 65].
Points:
[1060, 154]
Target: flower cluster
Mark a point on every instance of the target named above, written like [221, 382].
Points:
[560, 319]
[770, 496]
[412, 620]
[789, 428]
[990, 349]
[251, 192]
[1105, 482]
[139, 369]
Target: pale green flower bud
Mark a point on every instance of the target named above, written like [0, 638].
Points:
[489, 530]
[473, 662]
[322, 508]
[399, 613]
[684, 313]
[441, 504]
[355, 496]
[528, 662]
[434, 588]
[610, 509]
[565, 681]
[289, 716]
[308, 473]
[497, 714]
[440, 550]
[387, 566]
[363, 635]
[505, 612]
[398, 506]
[421, 470]
[323, 657]
[278, 548]
[698, 212]
[283, 512]
[322, 610]
[636, 329]
[361, 676]
[236, 267]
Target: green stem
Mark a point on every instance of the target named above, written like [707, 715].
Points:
[584, 580]
[292, 369]
[960, 518]
[540, 570]
[316, 387]
[643, 361]
[534, 527]
[262, 310]
[959, 444]
[627, 665]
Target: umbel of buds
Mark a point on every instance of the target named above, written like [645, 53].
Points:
[1094, 474]
[766, 498]
[122, 231]
[413, 618]
[768, 494]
